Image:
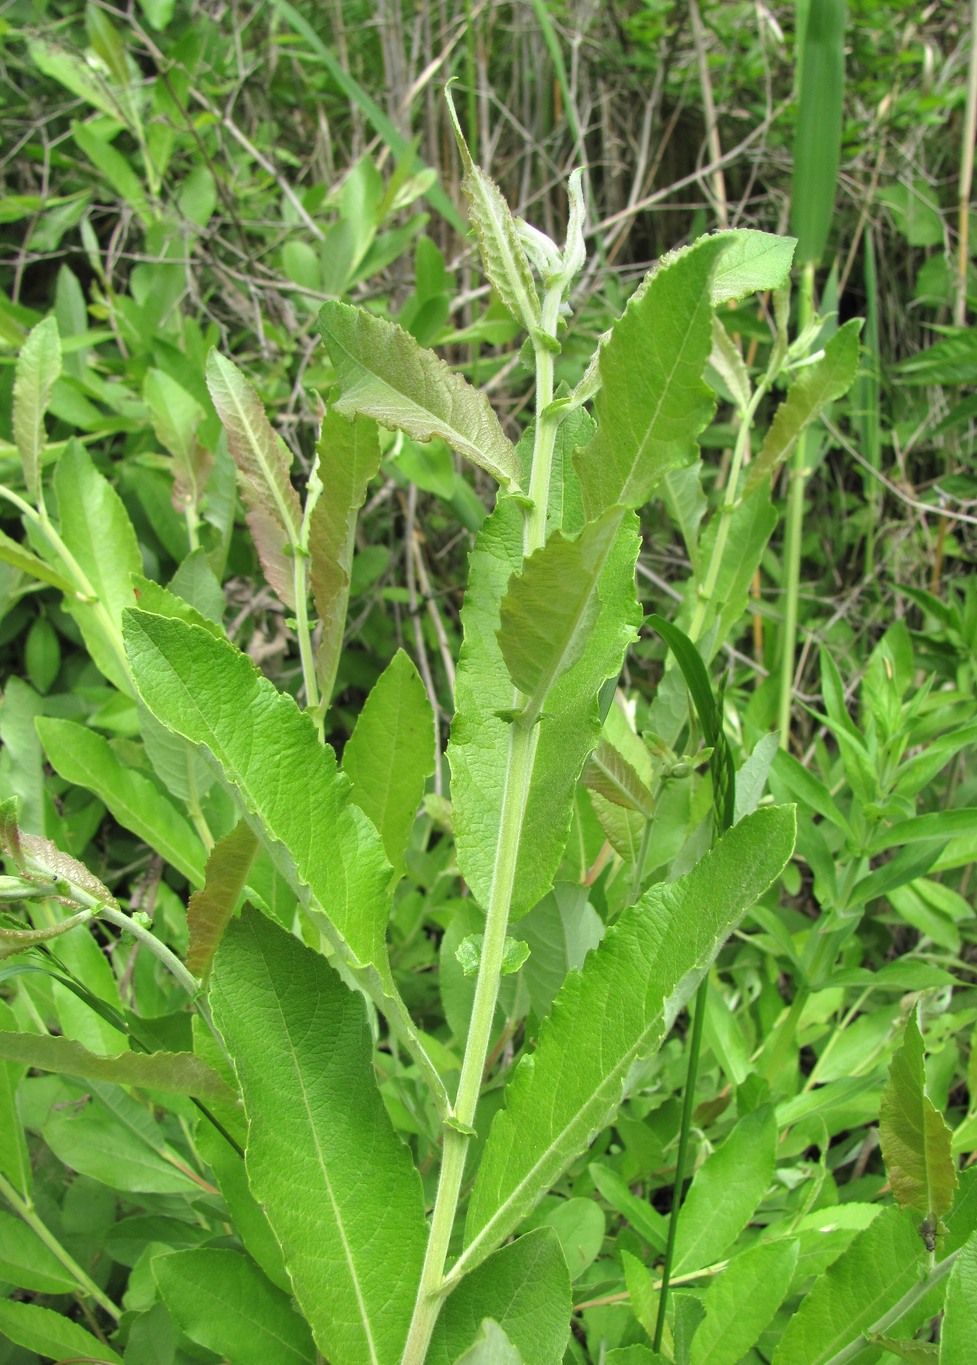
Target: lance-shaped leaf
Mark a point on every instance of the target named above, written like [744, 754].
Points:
[503, 256]
[176, 417]
[206, 690]
[210, 908]
[38, 367]
[391, 752]
[525, 1288]
[19, 557]
[336, 1182]
[652, 402]
[176, 1073]
[383, 373]
[481, 752]
[550, 609]
[210, 693]
[752, 262]
[616, 1010]
[88, 760]
[610, 774]
[348, 456]
[273, 509]
[815, 387]
[914, 1138]
[51, 1334]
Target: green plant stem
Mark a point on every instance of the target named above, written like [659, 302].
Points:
[793, 536]
[86, 1285]
[523, 742]
[895, 1313]
[688, 1105]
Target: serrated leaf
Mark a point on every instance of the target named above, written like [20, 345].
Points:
[383, 373]
[614, 1011]
[881, 1265]
[959, 1330]
[484, 747]
[652, 402]
[176, 1073]
[525, 1287]
[209, 909]
[95, 527]
[353, 1245]
[51, 1334]
[914, 1138]
[815, 386]
[348, 456]
[503, 255]
[38, 367]
[550, 608]
[273, 509]
[85, 758]
[752, 262]
[610, 774]
[390, 754]
[222, 1301]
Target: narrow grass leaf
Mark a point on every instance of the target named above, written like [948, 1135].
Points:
[273, 509]
[51, 1334]
[614, 1011]
[817, 136]
[503, 257]
[176, 1073]
[914, 1138]
[525, 1288]
[223, 1302]
[348, 456]
[353, 1247]
[652, 402]
[210, 908]
[383, 373]
[38, 367]
[815, 387]
[390, 754]
[86, 759]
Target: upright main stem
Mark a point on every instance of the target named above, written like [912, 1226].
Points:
[522, 742]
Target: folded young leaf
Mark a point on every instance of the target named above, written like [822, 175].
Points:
[525, 1288]
[383, 373]
[391, 752]
[815, 387]
[176, 1073]
[503, 256]
[610, 774]
[210, 909]
[348, 456]
[273, 509]
[914, 1138]
[652, 402]
[353, 1236]
[38, 367]
[614, 1011]
[481, 734]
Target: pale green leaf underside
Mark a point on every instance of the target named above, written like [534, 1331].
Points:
[352, 1234]
[383, 373]
[652, 403]
[479, 750]
[38, 367]
[179, 1073]
[815, 387]
[616, 1010]
[610, 774]
[267, 749]
[915, 1141]
[391, 752]
[491, 1347]
[273, 508]
[752, 263]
